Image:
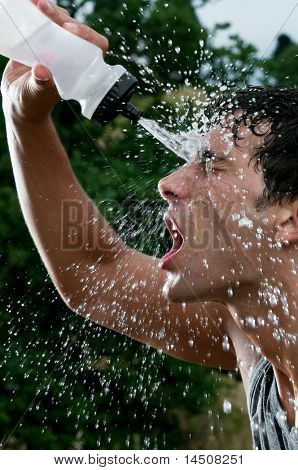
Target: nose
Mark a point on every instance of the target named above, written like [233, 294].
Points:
[175, 187]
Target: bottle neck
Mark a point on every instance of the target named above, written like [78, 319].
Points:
[116, 101]
[94, 84]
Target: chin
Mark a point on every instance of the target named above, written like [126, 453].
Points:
[178, 290]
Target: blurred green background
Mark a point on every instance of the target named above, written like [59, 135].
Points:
[67, 383]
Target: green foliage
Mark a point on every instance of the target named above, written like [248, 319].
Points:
[283, 42]
[282, 67]
[235, 64]
[66, 383]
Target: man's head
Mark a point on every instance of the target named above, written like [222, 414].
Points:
[235, 203]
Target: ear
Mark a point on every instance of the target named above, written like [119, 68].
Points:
[287, 223]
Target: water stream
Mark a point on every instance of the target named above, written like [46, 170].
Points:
[184, 144]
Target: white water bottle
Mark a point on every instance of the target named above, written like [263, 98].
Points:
[78, 68]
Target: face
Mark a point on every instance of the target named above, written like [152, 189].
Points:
[219, 237]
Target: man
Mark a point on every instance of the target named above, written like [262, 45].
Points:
[240, 282]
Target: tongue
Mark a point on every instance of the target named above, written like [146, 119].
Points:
[177, 243]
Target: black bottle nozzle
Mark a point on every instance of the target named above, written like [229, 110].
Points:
[116, 102]
[130, 112]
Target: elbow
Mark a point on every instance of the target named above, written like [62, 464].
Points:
[75, 304]
[71, 299]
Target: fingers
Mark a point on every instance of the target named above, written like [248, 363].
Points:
[62, 18]
[88, 34]
[57, 14]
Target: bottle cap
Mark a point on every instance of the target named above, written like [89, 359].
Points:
[116, 102]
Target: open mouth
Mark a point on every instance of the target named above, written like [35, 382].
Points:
[178, 239]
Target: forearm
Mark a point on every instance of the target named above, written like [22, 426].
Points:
[47, 190]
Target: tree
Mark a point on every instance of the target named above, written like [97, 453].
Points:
[282, 66]
[283, 42]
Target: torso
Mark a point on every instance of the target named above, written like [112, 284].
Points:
[248, 357]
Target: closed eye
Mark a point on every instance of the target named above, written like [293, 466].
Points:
[219, 165]
[212, 162]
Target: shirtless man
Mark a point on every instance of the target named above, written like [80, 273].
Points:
[235, 231]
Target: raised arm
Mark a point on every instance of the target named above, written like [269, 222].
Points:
[110, 283]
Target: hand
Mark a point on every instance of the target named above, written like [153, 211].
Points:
[30, 94]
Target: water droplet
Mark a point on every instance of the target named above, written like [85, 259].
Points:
[225, 343]
[227, 406]
[272, 318]
[276, 335]
[230, 292]
[245, 222]
[250, 322]
[272, 299]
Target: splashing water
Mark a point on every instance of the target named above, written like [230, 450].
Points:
[184, 144]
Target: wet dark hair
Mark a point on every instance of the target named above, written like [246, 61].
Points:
[277, 158]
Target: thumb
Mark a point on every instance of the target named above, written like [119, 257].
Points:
[41, 73]
[43, 83]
